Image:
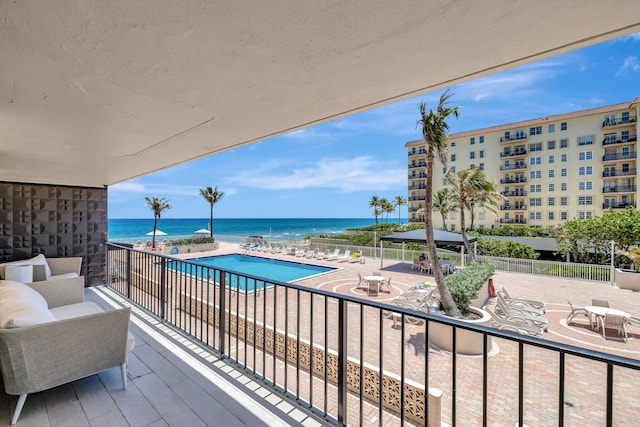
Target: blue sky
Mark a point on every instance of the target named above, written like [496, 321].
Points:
[332, 170]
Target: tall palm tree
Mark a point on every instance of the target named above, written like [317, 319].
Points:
[471, 186]
[374, 203]
[213, 196]
[444, 203]
[434, 132]
[386, 207]
[157, 206]
[397, 202]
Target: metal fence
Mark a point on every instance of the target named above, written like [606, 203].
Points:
[360, 362]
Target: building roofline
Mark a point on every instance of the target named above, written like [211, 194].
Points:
[525, 123]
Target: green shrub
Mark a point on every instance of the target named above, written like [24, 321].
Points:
[191, 241]
[464, 284]
[508, 249]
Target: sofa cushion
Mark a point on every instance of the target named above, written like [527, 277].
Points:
[16, 291]
[63, 276]
[20, 313]
[38, 260]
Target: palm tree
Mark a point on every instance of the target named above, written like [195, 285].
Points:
[444, 203]
[471, 186]
[386, 207]
[213, 196]
[374, 203]
[157, 206]
[397, 202]
[434, 131]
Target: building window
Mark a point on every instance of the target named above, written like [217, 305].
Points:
[585, 200]
[535, 215]
[624, 136]
[444, 169]
[563, 172]
[563, 215]
[551, 128]
[585, 214]
[481, 166]
[585, 140]
[585, 185]
[472, 155]
[585, 170]
[535, 201]
[453, 215]
[552, 159]
[535, 174]
[482, 154]
[535, 130]
[585, 155]
[453, 157]
[444, 181]
[535, 188]
[480, 215]
[564, 201]
[625, 117]
[535, 147]
[453, 169]
[473, 140]
[563, 126]
[472, 165]
[552, 173]
[564, 143]
[482, 140]
[563, 158]
[551, 145]
[453, 144]
[551, 215]
[551, 201]
[563, 186]
[552, 187]
[535, 161]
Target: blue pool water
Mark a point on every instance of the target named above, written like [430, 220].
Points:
[284, 271]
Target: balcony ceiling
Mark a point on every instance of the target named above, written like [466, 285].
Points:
[97, 92]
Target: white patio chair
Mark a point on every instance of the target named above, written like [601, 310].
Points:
[519, 327]
[614, 321]
[600, 303]
[532, 303]
[575, 311]
[507, 314]
[524, 309]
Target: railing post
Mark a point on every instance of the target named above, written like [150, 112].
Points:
[163, 283]
[128, 273]
[342, 363]
[221, 313]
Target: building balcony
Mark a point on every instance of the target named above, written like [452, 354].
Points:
[620, 189]
[618, 205]
[413, 198]
[613, 141]
[415, 209]
[513, 138]
[514, 180]
[421, 175]
[618, 172]
[417, 187]
[517, 193]
[518, 166]
[417, 153]
[618, 122]
[612, 157]
[418, 165]
[522, 207]
[513, 221]
[515, 153]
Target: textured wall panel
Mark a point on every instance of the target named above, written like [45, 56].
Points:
[57, 221]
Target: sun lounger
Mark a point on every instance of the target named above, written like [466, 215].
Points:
[521, 308]
[346, 256]
[535, 304]
[505, 313]
[519, 327]
[334, 256]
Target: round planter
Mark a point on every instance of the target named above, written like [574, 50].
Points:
[467, 342]
[627, 279]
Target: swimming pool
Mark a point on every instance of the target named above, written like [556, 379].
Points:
[283, 271]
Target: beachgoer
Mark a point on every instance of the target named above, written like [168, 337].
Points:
[421, 257]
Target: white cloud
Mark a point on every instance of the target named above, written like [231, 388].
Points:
[633, 37]
[357, 174]
[630, 63]
[160, 190]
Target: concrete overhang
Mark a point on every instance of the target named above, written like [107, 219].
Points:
[98, 92]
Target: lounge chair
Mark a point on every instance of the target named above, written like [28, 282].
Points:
[505, 313]
[614, 321]
[361, 281]
[416, 264]
[422, 297]
[535, 304]
[600, 303]
[334, 256]
[635, 321]
[346, 256]
[356, 257]
[425, 267]
[524, 309]
[323, 255]
[387, 283]
[519, 327]
[575, 311]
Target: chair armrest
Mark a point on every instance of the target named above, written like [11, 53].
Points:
[40, 357]
[65, 265]
[60, 292]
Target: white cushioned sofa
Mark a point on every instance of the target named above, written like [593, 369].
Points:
[50, 336]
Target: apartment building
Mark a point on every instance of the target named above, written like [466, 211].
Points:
[550, 169]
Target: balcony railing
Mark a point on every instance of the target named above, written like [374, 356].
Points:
[620, 189]
[418, 176]
[512, 138]
[612, 141]
[513, 167]
[415, 209]
[418, 165]
[618, 205]
[417, 187]
[619, 121]
[513, 221]
[514, 180]
[618, 172]
[416, 198]
[619, 156]
[418, 153]
[520, 193]
[515, 153]
[513, 207]
[320, 349]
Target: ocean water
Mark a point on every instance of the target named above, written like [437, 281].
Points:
[274, 229]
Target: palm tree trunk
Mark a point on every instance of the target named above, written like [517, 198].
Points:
[444, 221]
[473, 215]
[153, 238]
[467, 245]
[446, 300]
[211, 222]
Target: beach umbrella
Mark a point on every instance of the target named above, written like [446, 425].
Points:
[158, 233]
[202, 231]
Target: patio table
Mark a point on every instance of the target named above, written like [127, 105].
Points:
[375, 280]
[600, 312]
